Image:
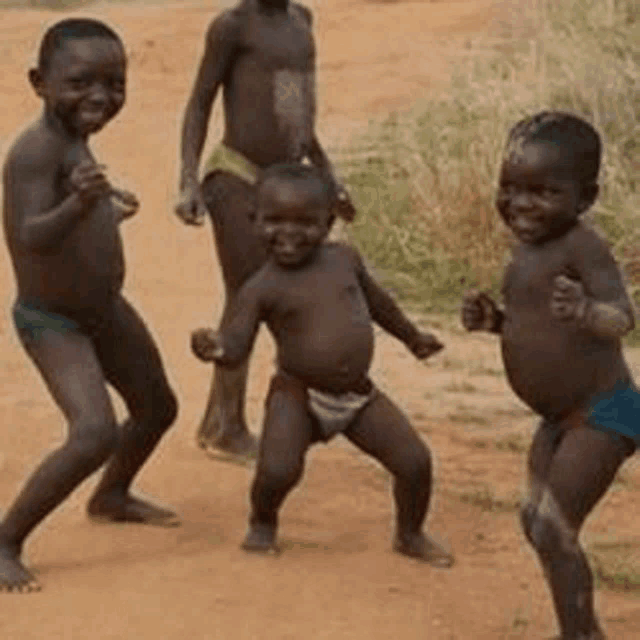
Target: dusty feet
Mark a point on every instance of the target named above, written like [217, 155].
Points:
[421, 546]
[14, 577]
[116, 507]
[261, 538]
[241, 448]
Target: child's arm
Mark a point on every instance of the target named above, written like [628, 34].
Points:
[385, 312]
[232, 345]
[33, 188]
[481, 313]
[343, 207]
[125, 203]
[597, 300]
[220, 48]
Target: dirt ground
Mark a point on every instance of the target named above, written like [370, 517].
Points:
[337, 578]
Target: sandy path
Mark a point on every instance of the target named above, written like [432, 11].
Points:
[338, 578]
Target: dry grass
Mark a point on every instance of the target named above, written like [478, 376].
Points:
[424, 181]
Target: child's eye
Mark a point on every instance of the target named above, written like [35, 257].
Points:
[505, 190]
[117, 84]
[78, 83]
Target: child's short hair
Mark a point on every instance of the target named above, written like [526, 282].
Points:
[59, 33]
[298, 173]
[573, 134]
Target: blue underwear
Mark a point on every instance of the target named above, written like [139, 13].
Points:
[32, 321]
[617, 412]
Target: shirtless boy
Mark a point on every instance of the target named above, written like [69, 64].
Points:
[565, 311]
[262, 53]
[61, 217]
[319, 303]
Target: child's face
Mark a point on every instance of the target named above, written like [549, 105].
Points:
[293, 219]
[539, 196]
[84, 85]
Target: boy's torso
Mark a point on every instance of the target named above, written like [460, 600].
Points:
[83, 272]
[320, 320]
[272, 74]
[553, 365]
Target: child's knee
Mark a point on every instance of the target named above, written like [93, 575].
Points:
[279, 475]
[92, 443]
[159, 408]
[547, 531]
[167, 409]
[417, 464]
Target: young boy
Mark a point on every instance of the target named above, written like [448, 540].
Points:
[318, 302]
[565, 310]
[262, 54]
[61, 219]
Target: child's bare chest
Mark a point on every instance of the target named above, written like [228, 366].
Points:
[529, 279]
[280, 42]
[321, 299]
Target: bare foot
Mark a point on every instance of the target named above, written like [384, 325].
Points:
[14, 577]
[116, 507]
[424, 548]
[241, 448]
[261, 538]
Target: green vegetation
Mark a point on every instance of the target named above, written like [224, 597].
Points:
[487, 500]
[424, 181]
[615, 566]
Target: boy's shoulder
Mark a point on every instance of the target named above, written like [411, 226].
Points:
[35, 147]
[229, 21]
[585, 238]
[303, 11]
[342, 250]
[235, 16]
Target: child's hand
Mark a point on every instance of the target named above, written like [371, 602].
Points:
[125, 203]
[206, 345]
[479, 311]
[425, 345]
[343, 207]
[568, 300]
[190, 207]
[89, 181]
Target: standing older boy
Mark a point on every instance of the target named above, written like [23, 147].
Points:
[262, 53]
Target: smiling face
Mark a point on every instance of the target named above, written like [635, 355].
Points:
[540, 196]
[293, 218]
[83, 85]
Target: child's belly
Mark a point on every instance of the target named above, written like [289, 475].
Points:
[84, 274]
[556, 369]
[334, 360]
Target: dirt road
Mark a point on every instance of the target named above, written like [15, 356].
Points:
[337, 578]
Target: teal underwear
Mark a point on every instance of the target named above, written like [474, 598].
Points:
[617, 412]
[31, 320]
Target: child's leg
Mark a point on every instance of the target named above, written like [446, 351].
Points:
[286, 436]
[72, 372]
[132, 364]
[565, 490]
[382, 431]
[230, 201]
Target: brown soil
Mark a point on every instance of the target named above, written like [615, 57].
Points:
[337, 578]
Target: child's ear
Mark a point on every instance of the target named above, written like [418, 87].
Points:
[35, 78]
[588, 195]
